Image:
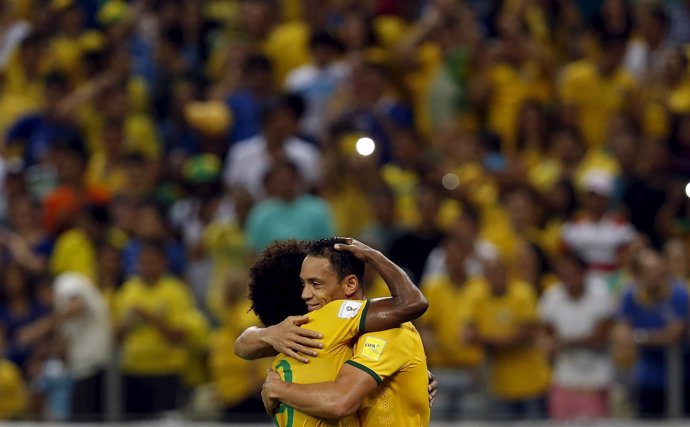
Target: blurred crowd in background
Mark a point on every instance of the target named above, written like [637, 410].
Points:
[530, 171]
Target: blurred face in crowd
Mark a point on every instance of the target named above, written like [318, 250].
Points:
[571, 274]
[280, 125]
[595, 203]
[527, 263]
[676, 256]
[611, 57]
[624, 146]
[72, 21]
[495, 274]
[113, 139]
[256, 17]
[428, 203]
[520, 205]
[560, 199]
[369, 83]
[653, 272]
[23, 213]
[150, 224]
[69, 165]
[405, 148]
[653, 157]
[354, 32]
[457, 252]
[532, 120]
[673, 65]
[383, 207]
[14, 282]
[567, 147]
[283, 182]
[109, 261]
[152, 264]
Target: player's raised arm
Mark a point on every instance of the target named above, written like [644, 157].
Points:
[406, 302]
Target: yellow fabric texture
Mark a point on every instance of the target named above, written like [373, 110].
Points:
[14, 393]
[395, 358]
[235, 379]
[145, 351]
[224, 241]
[101, 172]
[510, 88]
[339, 325]
[74, 252]
[521, 372]
[452, 311]
[596, 98]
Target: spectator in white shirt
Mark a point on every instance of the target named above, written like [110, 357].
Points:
[464, 228]
[596, 233]
[81, 316]
[578, 315]
[248, 161]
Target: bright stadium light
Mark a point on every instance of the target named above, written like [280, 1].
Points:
[365, 146]
[687, 190]
[450, 181]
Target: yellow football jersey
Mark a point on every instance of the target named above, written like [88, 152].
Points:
[520, 372]
[145, 351]
[453, 308]
[339, 322]
[395, 359]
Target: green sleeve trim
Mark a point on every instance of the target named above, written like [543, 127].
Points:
[369, 371]
[363, 319]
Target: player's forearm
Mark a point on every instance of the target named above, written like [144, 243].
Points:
[407, 302]
[322, 400]
[251, 344]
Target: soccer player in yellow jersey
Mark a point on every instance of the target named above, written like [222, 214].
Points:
[331, 276]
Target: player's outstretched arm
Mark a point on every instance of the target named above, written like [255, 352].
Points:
[406, 302]
[286, 337]
[333, 400]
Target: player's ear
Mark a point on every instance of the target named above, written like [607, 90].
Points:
[351, 284]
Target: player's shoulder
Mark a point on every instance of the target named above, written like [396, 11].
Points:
[398, 336]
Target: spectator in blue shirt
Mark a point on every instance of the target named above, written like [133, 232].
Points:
[656, 309]
[34, 134]
[248, 101]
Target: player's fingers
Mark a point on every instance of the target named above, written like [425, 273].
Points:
[296, 356]
[310, 343]
[305, 350]
[299, 320]
[308, 333]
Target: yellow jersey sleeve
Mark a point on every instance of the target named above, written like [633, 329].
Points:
[381, 354]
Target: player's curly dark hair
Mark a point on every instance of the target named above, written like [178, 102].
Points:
[343, 262]
[274, 285]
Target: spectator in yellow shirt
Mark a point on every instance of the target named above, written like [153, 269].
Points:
[75, 249]
[152, 315]
[453, 293]
[14, 393]
[593, 91]
[503, 322]
[237, 381]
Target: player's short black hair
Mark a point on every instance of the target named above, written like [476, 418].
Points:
[344, 263]
[275, 289]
